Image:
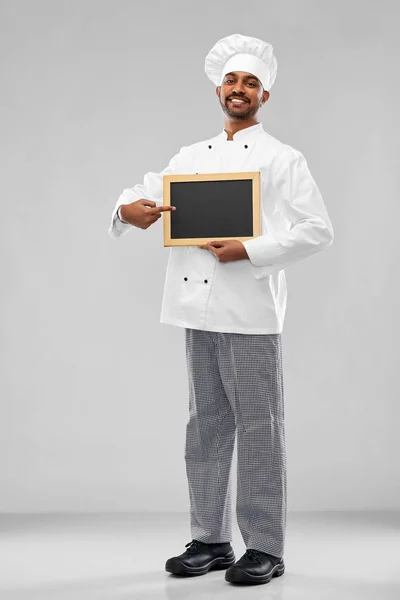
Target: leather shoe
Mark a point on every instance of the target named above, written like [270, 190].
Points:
[199, 558]
[255, 567]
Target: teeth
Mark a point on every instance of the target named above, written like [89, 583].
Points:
[239, 101]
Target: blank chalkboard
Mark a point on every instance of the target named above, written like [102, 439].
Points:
[211, 206]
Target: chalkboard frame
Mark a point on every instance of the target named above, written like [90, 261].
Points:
[254, 176]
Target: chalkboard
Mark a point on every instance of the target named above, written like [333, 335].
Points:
[211, 206]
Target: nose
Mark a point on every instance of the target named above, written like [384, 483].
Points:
[236, 88]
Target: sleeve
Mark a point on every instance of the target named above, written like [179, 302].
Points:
[150, 189]
[296, 223]
[120, 216]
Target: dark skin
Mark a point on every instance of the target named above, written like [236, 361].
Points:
[237, 84]
[241, 85]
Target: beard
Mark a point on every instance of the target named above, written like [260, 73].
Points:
[243, 114]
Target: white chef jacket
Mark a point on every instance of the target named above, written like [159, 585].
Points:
[249, 295]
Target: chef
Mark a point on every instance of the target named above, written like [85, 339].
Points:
[230, 296]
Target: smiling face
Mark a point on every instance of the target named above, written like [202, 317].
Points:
[239, 85]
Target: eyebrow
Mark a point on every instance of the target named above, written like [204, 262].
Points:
[246, 76]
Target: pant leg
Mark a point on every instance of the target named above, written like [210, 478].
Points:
[210, 440]
[252, 373]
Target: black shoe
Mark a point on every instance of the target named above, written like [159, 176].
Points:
[200, 558]
[255, 567]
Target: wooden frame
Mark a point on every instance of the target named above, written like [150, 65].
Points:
[254, 176]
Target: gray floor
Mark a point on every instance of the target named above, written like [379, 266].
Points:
[328, 556]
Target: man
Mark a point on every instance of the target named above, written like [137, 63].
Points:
[231, 301]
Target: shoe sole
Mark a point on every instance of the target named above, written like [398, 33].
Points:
[243, 577]
[215, 564]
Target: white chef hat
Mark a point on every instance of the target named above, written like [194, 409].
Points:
[241, 53]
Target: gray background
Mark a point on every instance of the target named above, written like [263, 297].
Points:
[93, 389]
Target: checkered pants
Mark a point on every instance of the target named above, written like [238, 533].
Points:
[236, 391]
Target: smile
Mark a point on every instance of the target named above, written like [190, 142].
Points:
[237, 101]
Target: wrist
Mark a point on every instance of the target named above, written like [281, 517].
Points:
[120, 215]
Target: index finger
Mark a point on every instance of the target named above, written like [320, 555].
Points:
[162, 208]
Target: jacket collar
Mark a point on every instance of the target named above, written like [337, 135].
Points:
[247, 133]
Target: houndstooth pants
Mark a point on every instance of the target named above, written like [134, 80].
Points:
[236, 392]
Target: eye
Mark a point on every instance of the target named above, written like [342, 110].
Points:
[231, 81]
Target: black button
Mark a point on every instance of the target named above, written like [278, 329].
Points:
[206, 281]
[209, 146]
[185, 278]
[246, 146]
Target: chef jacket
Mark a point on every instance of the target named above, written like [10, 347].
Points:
[249, 295]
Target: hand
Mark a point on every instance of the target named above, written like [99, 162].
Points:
[143, 213]
[226, 250]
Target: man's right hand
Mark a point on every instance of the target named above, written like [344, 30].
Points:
[137, 213]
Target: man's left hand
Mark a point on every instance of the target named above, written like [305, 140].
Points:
[226, 250]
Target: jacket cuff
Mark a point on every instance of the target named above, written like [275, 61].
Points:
[258, 248]
[118, 227]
